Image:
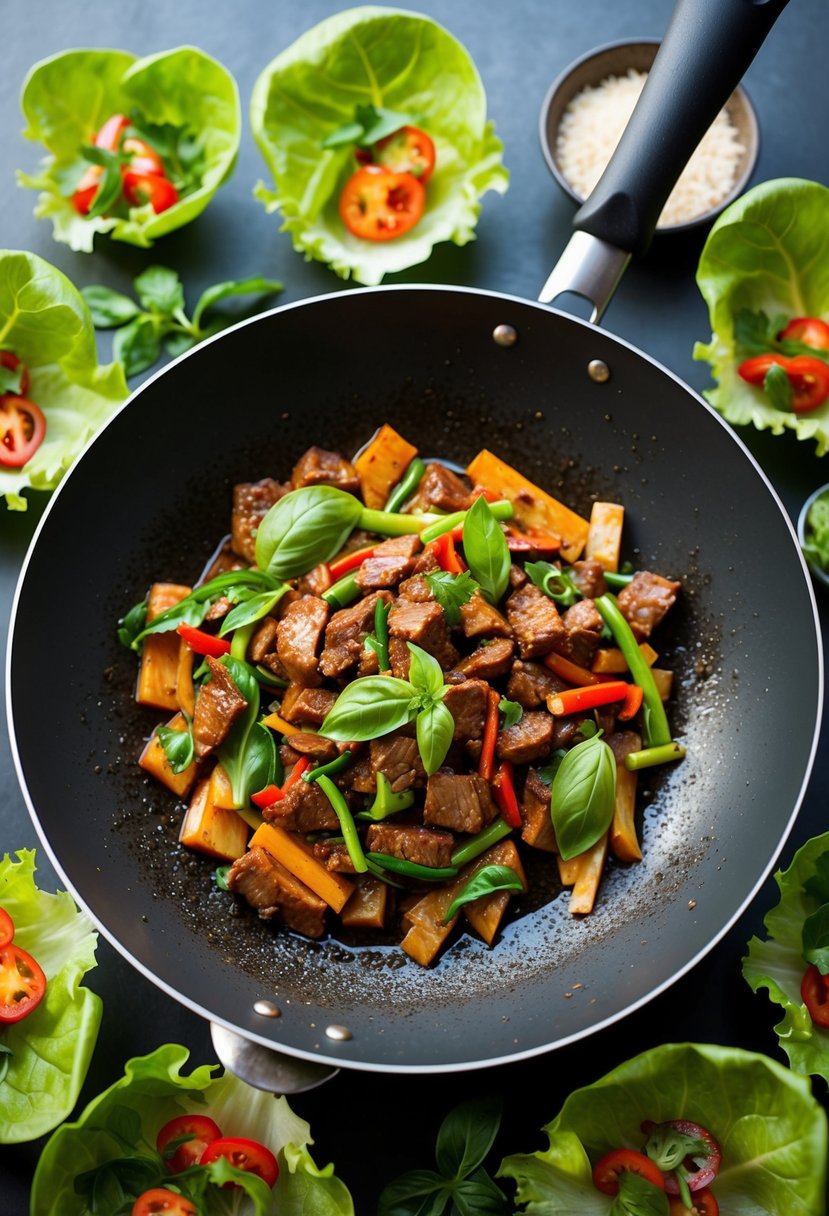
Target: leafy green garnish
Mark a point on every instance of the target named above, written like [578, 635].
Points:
[816, 539]
[512, 711]
[486, 551]
[369, 125]
[179, 745]
[555, 582]
[248, 754]
[638, 1197]
[451, 591]
[484, 882]
[305, 527]
[583, 793]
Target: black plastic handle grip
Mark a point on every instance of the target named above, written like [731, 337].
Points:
[705, 52]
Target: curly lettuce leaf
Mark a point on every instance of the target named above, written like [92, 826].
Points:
[45, 322]
[154, 1090]
[777, 964]
[768, 252]
[771, 1129]
[51, 1048]
[67, 98]
[391, 59]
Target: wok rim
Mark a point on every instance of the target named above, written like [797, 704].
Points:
[328, 1055]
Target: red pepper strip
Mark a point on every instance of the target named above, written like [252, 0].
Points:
[569, 671]
[632, 703]
[273, 793]
[490, 735]
[573, 700]
[503, 789]
[202, 642]
[349, 561]
[532, 540]
[489, 495]
[443, 551]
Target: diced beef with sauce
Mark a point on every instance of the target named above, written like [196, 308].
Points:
[306, 705]
[315, 581]
[275, 892]
[535, 621]
[467, 703]
[425, 625]
[489, 660]
[251, 502]
[588, 575]
[645, 600]
[391, 561]
[536, 824]
[584, 625]
[530, 739]
[480, 619]
[218, 705]
[335, 856]
[263, 640]
[416, 588]
[345, 634]
[441, 490]
[315, 747]
[304, 808]
[319, 467]
[531, 683]
[300, 638]
[411, 843]
[462, 802]
[398, 758]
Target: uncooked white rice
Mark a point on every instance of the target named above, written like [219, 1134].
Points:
[592, 125]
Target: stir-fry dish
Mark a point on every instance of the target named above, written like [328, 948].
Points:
[393, 681]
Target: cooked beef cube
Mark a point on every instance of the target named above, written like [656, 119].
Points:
[480, 619]
[645, 600]
[218, 705]
[219, 609]
[273, 663]
[315, 581]
[368, 663]
[441, 489]
[400, 658]
[263, 641]
[517, 577]
[223, 559]
[274, 891]
[251, 502]
[304, 808]
[359, 776]
[321, 468]
[489, 660]
[397, 757]
[531, 683]
[589, 578]
[461, 802]
[391, 561]
[425, 625]
[411, 843]
[584, 631]
[467, 703]
[530, 739]
[334, 856]
[567, 731]
[315, 747]
[416, 588]
[425, 563]
[535, 621]
[300, 704]
[298, 641]
[537, 826]
[345, 632]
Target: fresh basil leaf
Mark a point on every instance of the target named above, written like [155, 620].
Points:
[583, 794]
[179, 745]
[222, 1174]
[347, 133]
[638, 1197]
[109, 308]
[160, 290]
[252, 609]
[177, 343]
[754, 334]
[486, 551]
[236, 585]
[425, 673]
[466, 1135]
[248, 754]
[132, 625]
[11, 379]
[109, 188]
[554, 582]
[305, 527]
[487, 880]
[137, 345]
[816, 939]
[479, 1195]
[220, 874]
[778, 388]
[452, 591]
[378, 122]
[435, 727]
[817, 885]
[512, 711]
[369, 707]
[233, 287]
[548, 772]
[416, 1193]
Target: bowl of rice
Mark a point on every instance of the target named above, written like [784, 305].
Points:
[588, 107]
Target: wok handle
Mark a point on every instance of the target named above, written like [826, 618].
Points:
[264, 1068]
[704, 54]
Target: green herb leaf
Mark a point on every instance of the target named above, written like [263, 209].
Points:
[484, 882]
[248, 754]
[486, 551]
[583, 794]
[549, 770]
[435, 727]
[369, 707]
[137, 345]
[638, 1197]
[817, 884]
[179, 745]
[416, 1193]
[236, 585]
[305, 527]
[11, 379]
[816, 939]
[132, 625]
[778, 388]
[554, 582]
[479, 1195]
[221, 874]
[177, 343]
[233, 287]
[251, 610]
[370, 124]
[160, 290]
[109, 308]
[452, 591]
[426, 673]
[512, 711]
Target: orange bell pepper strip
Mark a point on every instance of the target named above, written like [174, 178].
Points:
[444, 552]
[575, 700]
[633, 702]
[570, 671]
[487, 759]
[349, 561]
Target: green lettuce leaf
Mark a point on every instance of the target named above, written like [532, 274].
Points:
[45, 322]
[772, 1132]
[777, 964]
[51, 1048]
[768, 252]
[392, 59]
[183, 87]
[155, 1090]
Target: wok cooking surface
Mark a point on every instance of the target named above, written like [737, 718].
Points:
[150, 499]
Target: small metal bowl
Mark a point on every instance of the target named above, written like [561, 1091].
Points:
[616, 59]
[818, 573]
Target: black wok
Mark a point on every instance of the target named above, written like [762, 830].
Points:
[151, 496]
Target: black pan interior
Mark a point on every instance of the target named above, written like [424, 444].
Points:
[151, 497]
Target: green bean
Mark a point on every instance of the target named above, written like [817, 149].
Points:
[478, 844]
[655, 728]
[407, 484]
[349, 829]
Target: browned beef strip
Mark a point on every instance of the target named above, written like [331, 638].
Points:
[517, 576]
[334, 856]
[467, 704]
[480, 619]
[441, 489]
[530, 739]
[416, 588]
[316, 747]
[531, 683]
[251, 502]
[489, 660]
[425, 625]
[300, 704]
[645, 600]
[537, 827]
[267, 886]
[319, 467]
[567, 731]
[400, 658]
[397, 757]
[368, 663]
[273, 663]
[425, 563]
[304, 808]
[315, 581]
[345, 632]
[300, 635]
[218, 705]
[535, 621]
[589, 578]
[584, 631]
[411, 843]
[461, 802]
[263, 640]
[392, 560]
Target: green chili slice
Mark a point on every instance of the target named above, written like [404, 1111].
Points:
[349, 829]
[407, 484]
